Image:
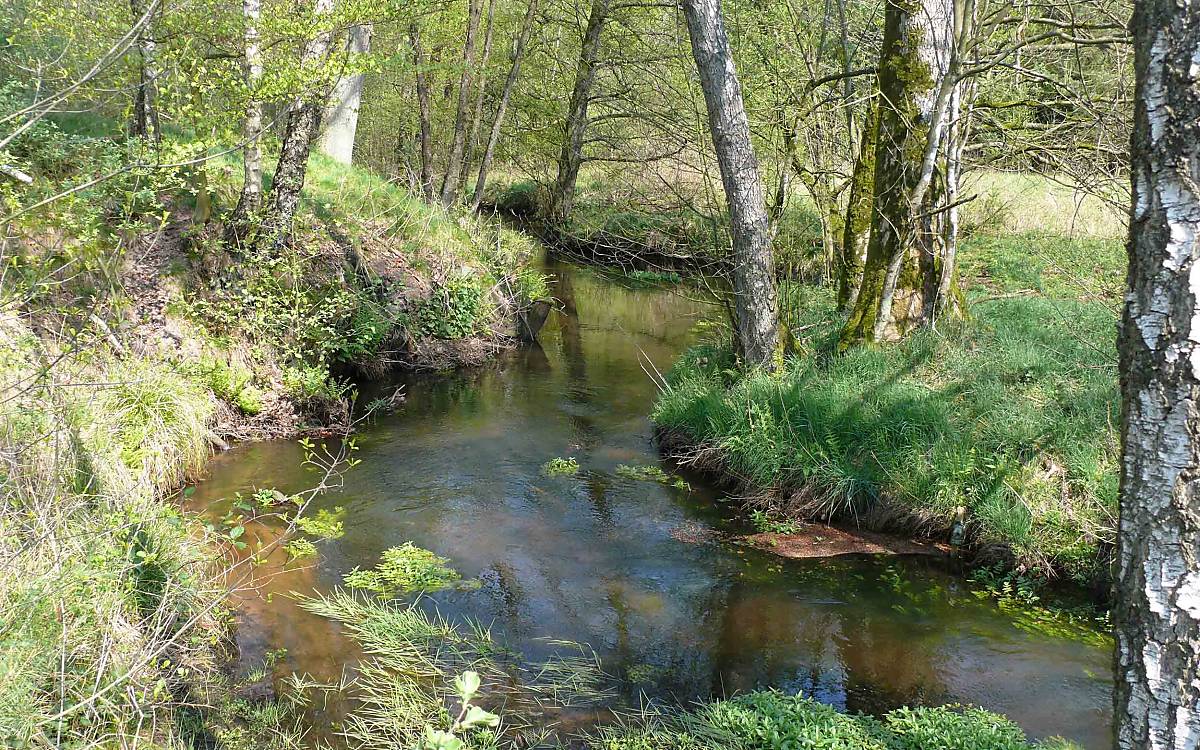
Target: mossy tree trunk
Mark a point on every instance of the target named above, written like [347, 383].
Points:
[755, 296]
[856, 231]
[562, 194]
[144, 122]
[904, 254]
[1157, 616]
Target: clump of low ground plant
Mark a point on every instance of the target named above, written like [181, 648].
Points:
[771, 720]
[1010, 413]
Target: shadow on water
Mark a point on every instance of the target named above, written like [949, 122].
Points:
[638, 570]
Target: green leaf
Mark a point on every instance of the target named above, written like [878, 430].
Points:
[236, 531]
[477, 717]
[436, 739]
[467, 684]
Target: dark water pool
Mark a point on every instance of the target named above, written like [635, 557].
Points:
[636, 569]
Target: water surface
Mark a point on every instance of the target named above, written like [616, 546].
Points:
[639, 571]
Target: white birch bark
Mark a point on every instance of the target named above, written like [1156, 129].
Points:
[340, 121]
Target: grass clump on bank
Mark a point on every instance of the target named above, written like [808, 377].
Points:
[770, 720]
[1010, 413]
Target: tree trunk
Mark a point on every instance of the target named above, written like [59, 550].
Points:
[903, 262]
[514, 72]
[753, 267]
[304, 117]
[424, 113]
[856, 234]
[144, 122]
[562, 195]
[341, 114]
[452, 180]
[480, 96]
[250, 202]
[1157, 617]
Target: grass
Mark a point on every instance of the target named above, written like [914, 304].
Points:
[1010, 413]
[770, 720]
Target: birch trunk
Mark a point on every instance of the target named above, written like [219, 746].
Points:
[562, 195]
[480, 96]
[250, 202]
[304, 117]
[144, 123]
[755, 297]
[489, 151]
[1157, 617]
[451, 181]
[341, 114]
[902, 265]
[424, 114]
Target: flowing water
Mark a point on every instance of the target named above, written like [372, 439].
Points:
[644, 573]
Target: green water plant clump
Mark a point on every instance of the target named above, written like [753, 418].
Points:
[651, 474]
[560, 467]
[404, 569]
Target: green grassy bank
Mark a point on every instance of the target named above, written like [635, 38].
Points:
[1010, 413]
[134, 336]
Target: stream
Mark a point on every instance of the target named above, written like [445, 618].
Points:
[642, 572]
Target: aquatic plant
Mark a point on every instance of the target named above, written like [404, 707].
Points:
[404, 569]
[560, 467]
[651, 474]
[766, 522]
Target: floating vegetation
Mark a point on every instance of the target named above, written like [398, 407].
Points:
[651, 474]
[1020, 597]
[325, 524]
[560, 467]
[404, 569]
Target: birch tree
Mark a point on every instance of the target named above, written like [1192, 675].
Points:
[341, 114]
[144, 123]
[755, 303]
[250, 201]
[303, 119]
[1157, 617]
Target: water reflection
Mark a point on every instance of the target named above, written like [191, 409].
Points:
[634, 568]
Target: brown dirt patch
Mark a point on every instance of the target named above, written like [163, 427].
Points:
[817, 540]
